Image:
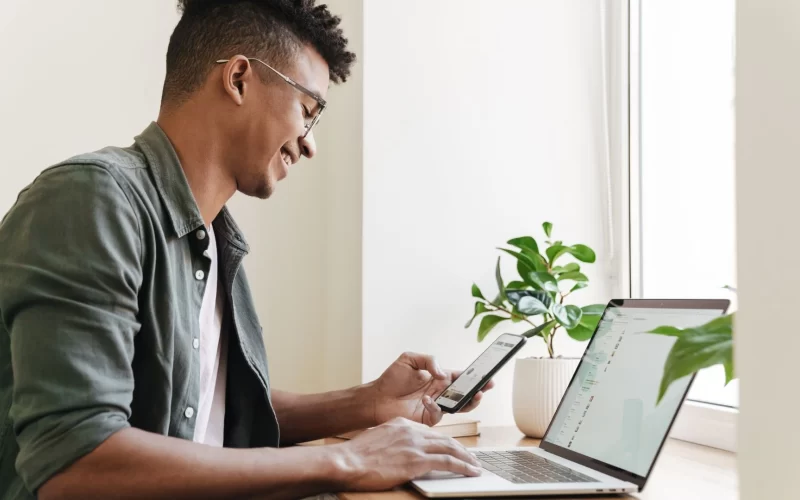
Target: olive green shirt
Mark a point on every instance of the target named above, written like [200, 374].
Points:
[102, 273]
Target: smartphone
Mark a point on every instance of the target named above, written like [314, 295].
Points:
[480, 372]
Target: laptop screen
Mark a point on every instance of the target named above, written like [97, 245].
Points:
[609, 411]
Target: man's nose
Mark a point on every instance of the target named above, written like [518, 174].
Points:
[308, 147]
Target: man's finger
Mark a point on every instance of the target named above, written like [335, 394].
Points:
[474, 402]
[449, 463]
[489, 386]
[425, 362]
[434, 412]
[449, 446]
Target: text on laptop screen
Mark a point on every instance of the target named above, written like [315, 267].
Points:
[609, 411]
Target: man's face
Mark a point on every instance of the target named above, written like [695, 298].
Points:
[267, 132]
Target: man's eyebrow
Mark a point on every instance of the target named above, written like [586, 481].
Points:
[316, 94]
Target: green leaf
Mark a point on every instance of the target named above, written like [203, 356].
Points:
[697, 348]
[569, 268]
[555, 252]
[523, 269]
[542, 281]
[487, 324]
[582, 253]
[575, 276]
[480, 308]
[525, 243]
[594, 310]
[541, 331]
[514, 296]
[585, 329]
[529, 263]
[532, 263]
[516, 285]
[500, 285]
[530, 306]
[579, 285]
[538, 260]
[729, 375]
[548, 228]
[476, 292]
[667, 330]
[569, 316]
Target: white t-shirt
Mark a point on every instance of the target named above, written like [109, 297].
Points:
[210, 425]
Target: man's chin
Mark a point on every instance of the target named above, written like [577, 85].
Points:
[262, 190]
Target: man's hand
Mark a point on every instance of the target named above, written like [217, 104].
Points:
[407, 388]
[398, 451]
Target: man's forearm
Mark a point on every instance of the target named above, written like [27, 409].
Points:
[305, 417]
[137, 464]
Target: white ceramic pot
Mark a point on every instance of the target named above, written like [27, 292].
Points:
[539, 385]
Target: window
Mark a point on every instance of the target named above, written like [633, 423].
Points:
[682, 177]
[686, 240]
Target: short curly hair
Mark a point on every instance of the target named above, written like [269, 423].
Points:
[270, 29]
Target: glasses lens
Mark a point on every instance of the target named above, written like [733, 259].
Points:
[310, 124]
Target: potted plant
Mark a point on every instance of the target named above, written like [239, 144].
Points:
[538, 299]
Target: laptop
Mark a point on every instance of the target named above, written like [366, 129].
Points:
[607, 432]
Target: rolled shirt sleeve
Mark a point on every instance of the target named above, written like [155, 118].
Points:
[71, 269]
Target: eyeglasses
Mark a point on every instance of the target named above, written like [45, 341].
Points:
[320, 101]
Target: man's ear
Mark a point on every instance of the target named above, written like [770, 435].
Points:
[236, 76]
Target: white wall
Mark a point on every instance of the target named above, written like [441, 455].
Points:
[305, 261]
[77, 76]
[767, 155]
[481, 121]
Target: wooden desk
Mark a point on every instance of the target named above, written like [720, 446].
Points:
[684, 471]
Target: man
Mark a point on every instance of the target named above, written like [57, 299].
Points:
[132, 361]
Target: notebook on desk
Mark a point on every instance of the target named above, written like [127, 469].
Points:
[608, 430]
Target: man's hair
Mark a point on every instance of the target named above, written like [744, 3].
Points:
[271, 30]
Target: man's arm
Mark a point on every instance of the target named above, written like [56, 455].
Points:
[406, 389]
[136, 464]
[305, 417]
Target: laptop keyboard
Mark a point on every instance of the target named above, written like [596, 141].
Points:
[522, 467]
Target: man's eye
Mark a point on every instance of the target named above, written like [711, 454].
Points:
[306, 112]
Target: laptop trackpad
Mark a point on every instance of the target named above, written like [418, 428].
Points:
[437, 474]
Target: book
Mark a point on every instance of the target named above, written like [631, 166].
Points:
[451, 425]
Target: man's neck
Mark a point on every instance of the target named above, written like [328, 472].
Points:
[201, 156]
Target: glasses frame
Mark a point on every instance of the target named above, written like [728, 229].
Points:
[320, 101]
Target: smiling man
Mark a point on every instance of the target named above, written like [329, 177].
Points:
[131, 358]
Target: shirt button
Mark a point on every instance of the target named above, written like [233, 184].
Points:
[199, 275]
[189, 412]
[201, 235]
[196, 343]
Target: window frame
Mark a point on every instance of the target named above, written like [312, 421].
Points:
[698, 422]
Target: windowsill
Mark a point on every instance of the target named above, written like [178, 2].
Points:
[707, 424]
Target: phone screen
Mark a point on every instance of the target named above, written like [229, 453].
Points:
[478, 370]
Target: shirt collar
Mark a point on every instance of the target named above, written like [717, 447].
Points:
[174, 190]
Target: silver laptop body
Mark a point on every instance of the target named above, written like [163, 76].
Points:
[607, 431]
